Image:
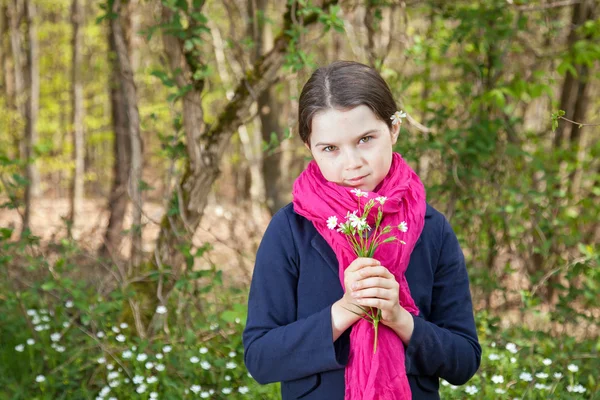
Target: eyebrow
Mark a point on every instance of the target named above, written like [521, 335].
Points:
[358, 137]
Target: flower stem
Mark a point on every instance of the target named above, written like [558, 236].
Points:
[375, 323]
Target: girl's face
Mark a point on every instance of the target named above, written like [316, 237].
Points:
[352, 147]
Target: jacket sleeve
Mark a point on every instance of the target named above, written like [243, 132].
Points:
[446, 345]
[277, 345]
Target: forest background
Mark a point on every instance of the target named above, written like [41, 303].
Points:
[144, 146]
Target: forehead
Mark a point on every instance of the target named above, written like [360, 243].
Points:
[333, 124]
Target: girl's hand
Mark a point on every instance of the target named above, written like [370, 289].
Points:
[352, 275]
[377, 287]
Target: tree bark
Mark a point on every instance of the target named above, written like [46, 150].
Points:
[77, 17]
[130, 96]
[118, 200]
[205, 146]
[32, 111]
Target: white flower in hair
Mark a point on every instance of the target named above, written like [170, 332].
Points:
[397, 117]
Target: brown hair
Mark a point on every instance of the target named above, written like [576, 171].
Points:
[344, 85]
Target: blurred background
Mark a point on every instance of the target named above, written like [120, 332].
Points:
[145, 145]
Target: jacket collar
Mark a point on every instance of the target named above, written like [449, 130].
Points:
[323, 248]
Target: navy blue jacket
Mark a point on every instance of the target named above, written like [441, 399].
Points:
[288, 335]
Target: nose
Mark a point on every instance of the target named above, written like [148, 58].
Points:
[353, 159]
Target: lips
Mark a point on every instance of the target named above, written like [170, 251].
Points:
[357, 181]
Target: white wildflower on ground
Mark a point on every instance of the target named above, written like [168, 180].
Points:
[152, 379]
[227, 378]
[159, 356]
[58, 348]
[232, 354]
[167, 349]
[100, 334]
[124, 325]
[141, 389]
[204, 395]
[113, 384]
[55, 337]
[512, 348]
[194, 360]
[576, 388]
[230, 365]
[205, 365]
[203, 350]
[159, 367]
[120, 338]
[498, 379]
[557, 375]
[141, 357]
[101, 360]
[500, 391]
[115, 329]
[494, 357]
[30, 342]
[526, 376]
[541, 386]
[237, 320]
[110, 367]
[69, 304]
[226, 390]
[547, 361]
[161, 310]
[40, 378]
[196, 388]
[149, 365]
[105, 390]
[471, 389]
[243, 389]
[66, 324]
[112, 375]
[153, 395]
[513, 360]
[127, 354]
[138, 379]
[541, 375]
[31, 312]
[20, 348]
[573, 368]
[332, 222]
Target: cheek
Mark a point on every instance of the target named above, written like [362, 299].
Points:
[329, 168]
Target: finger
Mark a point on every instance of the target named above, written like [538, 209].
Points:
[362, 262]
[377, 292]
[375, 271]
[378, 281]
[375, 302]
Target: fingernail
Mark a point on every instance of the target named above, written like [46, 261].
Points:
[354, 286]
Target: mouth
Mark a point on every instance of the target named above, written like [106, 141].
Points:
[357, 181]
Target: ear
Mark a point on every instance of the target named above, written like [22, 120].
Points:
[395, 133]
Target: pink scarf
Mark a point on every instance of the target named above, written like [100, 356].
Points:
[379, 376]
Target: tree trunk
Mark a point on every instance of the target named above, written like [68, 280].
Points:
[32, 110]
[118, 200]
[78, 112]
[205, 146]
[130, 96]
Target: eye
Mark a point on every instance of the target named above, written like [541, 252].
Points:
[366, 139]
[328, 149]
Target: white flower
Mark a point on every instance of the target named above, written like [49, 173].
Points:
[100, 334]
[194, 359]
[161, 310]
[113, 384]
[159, 356]
[55, 337]
[141, 389]
[230, 365]
[138, 379]
[541, 386]
[381, 199]
[205, 365]
[31, 312]
[120, 338]
[46, 318]
[444, 383]
[471, 389]
[124, 325]
[40, 378]
[167, 349]
[541, 375]
[513, 360]
[359, 193]
[500, 391]
[127, 354]
[498, 379]
[101, 360]
[577, 388]
[195, 388]
[237, 320]
[525, 376]
[511, 347]
[397, 117]
[66, 324]
[159, 367]
[115, 329]
[403, 227]
[203, 350]
[59, 349]
[30, 342]
[69, 304]
[141, 357]
[213, 326]
[149, 365]
[104, 391]
[154, 395]
[557, 375]
[232, 354]
[494, 357]
[204, 395]
[152, 379]
[547, 361]
[20, 348]
[226, 390]
[332, 222]
[112, 375]
[243, 389]
[110, 367]
[573, 368]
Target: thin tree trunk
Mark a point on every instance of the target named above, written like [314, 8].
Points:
[130, 96]
[78, 112]
[32, 110]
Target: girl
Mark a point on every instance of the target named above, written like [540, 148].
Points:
[302, 327]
